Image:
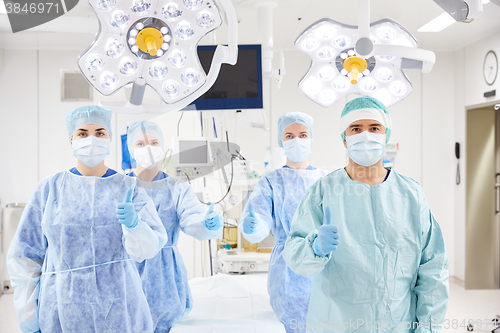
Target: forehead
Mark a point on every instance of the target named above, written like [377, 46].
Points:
[91, 127]
[365, 122]
[296, 128]
[148, 138]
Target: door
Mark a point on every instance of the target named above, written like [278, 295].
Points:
[483, 199]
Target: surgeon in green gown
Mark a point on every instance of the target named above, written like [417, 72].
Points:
[368, 236]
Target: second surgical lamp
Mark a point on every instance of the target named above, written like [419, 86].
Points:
[366, 60]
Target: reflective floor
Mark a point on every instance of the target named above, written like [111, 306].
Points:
[464, 305]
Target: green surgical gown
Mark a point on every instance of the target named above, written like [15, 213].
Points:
[390, 270]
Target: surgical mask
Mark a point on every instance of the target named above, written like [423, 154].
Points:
[366, 148]
[297, 149]
[149, 156]
[91, 150]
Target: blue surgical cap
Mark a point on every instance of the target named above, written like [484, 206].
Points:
[90, 114]
[140, 129]
[365, 108]
[294, 118]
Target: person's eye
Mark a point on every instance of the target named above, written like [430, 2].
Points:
[375, 129]
[288, 136]
[304, 136]
[82, 134]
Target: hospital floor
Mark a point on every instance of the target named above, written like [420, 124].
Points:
[464, 305]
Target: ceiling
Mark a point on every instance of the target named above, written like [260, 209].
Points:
[291, 17]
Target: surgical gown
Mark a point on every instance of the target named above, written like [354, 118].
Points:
[275, 199]
[71, 260]
[164, 277]
[390, 269]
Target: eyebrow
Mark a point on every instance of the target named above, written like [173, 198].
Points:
[82, 129]
[100, 129]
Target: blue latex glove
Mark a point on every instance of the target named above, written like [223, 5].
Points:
[212, 219]
[328, 236]
[126, 211]
[250, 221]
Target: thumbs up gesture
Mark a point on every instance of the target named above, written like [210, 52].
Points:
[212, 219]
[250, 221]
[328, 236]
[126, 211]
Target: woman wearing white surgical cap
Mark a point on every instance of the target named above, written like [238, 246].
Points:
[71, 258]
[271, 207]
[164, 277]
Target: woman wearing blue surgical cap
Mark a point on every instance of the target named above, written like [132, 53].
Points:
[369, 237]
[164, 277]
[71, 258]
[271, 207]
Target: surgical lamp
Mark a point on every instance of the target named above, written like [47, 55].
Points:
[367, 60]
[154, 42]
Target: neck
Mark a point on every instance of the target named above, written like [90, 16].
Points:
[146, 175]
[302, 165]
[371, 175]
[98, 171]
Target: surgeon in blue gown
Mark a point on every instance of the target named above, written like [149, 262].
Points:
[369, 238]
[271, 207]
[72, 258]
[164, 277]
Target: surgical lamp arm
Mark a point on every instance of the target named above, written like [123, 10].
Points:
[428, 58]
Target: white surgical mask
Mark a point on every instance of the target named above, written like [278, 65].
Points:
[297, 150]
[149, 156]
[366, 148]
[91, 150]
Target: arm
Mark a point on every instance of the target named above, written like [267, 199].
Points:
[24, 262]
[262, 203]
[191, 212]
[298, 253]
[148, 236]
[432, 286]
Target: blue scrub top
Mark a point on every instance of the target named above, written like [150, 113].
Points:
[108, 173]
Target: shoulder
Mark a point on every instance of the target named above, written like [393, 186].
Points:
[406, 181]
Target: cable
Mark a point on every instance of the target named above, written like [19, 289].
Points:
[215, 128]
[229, 187]
[189, 180]
[210, 255]
[179, 122]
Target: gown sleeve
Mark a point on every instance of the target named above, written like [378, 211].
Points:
[148, 237]
[191, 213]
[298, 253]
[262, 201]
[25, 259]
[432, 285]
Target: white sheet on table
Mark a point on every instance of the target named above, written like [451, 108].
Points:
[230, 303]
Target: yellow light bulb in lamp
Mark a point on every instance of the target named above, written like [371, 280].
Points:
[355, 65]
[149, 40]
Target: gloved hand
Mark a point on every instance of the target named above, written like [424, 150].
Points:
[328, 237]
[212, 219]
[250, 221]
[126, 211]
